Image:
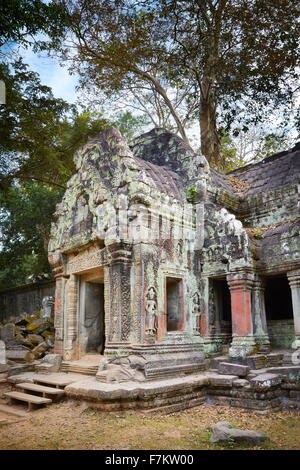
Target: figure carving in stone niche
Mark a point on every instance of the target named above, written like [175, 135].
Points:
[47, 306]
[212, 309]
[151, 312]
[196, 313]
[179, 249]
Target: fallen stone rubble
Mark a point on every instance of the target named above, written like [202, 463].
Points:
[224, 433]
[27, 338]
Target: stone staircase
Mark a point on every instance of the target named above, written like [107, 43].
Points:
[35, 394]
[38, 389]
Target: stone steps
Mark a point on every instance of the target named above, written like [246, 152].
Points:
[54, 392]
[84, 369]
[10, 410]
[27, 398]
[56, 382]
[32, 389]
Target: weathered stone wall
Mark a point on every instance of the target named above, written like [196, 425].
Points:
[24, 299]
[281, 333]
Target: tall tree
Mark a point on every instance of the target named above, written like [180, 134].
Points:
[38, 132]
[236, 57]
[22, 20]
[25, 219]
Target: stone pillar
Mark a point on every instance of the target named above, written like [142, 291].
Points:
[59, 314]
[71, 335]
[212, 343]
[57, 263]
[119, 328]
[294, 280]
[243, 342]
[259, 315]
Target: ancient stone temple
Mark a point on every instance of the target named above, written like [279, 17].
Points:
[161, 258]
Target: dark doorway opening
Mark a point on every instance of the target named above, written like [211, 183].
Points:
[92, 336]
[174, 305]
[223, 299]
[278, 298]
[220, 309]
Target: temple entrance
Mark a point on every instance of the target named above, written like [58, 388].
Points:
[279, 311]
[220, 309]
[174, 304]
[92, 334]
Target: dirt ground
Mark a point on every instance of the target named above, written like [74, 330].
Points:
[73, 426]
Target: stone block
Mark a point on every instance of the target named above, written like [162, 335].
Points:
[223, 433]
[35, 339]
[39, 350]
[3, 368]
[291, 372]
[50, 363]
[37, 326]
[265, 381]
[222, 380]
[258, 361]
[19, 355]
[240, 383]
[226, 368]
[7, 332]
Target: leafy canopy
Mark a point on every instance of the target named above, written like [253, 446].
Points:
[236, 60]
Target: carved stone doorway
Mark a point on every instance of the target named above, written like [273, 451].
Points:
[91, 314]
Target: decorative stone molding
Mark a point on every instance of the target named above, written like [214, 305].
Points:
[242, 346]
[72, 326]
[120, 293]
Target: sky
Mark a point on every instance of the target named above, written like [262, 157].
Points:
[64, 85]
[52, 74]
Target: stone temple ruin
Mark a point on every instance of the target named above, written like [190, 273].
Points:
[162, 265]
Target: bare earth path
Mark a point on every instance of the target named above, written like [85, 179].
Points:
[71, 426]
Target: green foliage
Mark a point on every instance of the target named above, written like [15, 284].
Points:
[21, 20]
[236, 61]
[191, 194]
[272, 143]
[38, 132]
[258, 233]
[25, 219]
[39, 135]
[230, 153]
[129, 125]
[252, 146]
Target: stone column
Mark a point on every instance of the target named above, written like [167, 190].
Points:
[243, 342]
[208, 319]
[59, 314]
[57, 263]
[259, 315]
[71, 335]
[294, 280]
[119, 328]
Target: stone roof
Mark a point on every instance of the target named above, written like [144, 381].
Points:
[166, 180]
[274, 172]
[163, 148]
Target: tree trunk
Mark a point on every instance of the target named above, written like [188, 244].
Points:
[210, 142]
